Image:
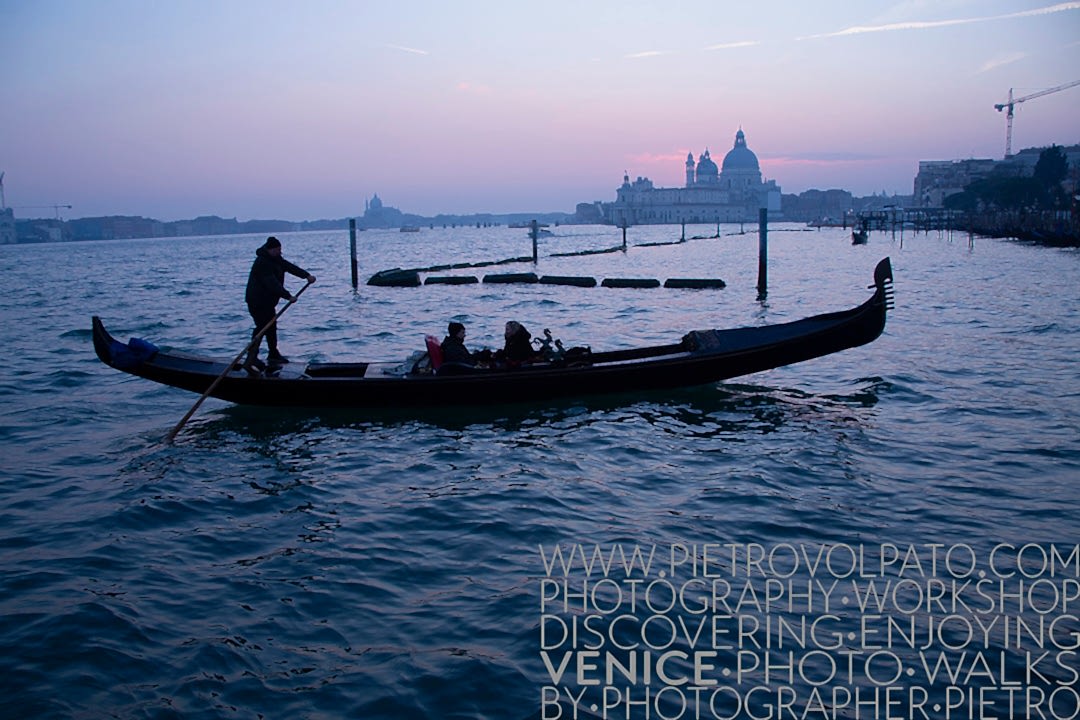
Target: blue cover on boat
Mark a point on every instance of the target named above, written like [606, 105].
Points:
[136, 351]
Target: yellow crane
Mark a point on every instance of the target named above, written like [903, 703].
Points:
[1014, 102]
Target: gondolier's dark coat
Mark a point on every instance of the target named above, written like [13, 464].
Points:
[266, 282]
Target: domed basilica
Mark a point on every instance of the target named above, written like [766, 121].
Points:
[734, 192]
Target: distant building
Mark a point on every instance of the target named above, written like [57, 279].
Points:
[7, 226]
[41, 230]
[214, 225]
[377, 215]
[734, 192]
[115, 228]
[589, 213]
[825, 206]
[938, 179]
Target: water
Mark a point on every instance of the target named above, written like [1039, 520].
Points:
[277, 563]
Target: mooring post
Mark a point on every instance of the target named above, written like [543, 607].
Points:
[683, 238]
[534, 233]
[352, 250]
[624, 226]
[763, 253]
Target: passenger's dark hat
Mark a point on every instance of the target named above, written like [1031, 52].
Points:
[272, 242]
[454, 328]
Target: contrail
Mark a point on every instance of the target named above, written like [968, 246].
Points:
[917, 25]
[1002, 61]
[730, 45]
[402, 48]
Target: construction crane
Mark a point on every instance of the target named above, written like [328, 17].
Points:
[1013, 102]
[56, 208]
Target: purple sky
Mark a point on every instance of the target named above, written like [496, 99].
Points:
[273, 110]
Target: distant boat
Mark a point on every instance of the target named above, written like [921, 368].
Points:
[859, 237]
[409, 228]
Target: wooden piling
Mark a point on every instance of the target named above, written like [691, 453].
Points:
[352, 251]
[534, 233]
[763, 253]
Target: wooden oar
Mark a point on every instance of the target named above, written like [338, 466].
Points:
[228, 368]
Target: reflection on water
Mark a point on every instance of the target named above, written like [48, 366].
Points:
[729, 407]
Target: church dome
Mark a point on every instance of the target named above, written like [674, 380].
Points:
[706, 167]
[741, 157]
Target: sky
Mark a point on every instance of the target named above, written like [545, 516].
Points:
[275, 109]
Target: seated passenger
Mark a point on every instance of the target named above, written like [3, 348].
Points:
[454, 352]
[518, 349]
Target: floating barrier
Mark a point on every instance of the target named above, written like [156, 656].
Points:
[395, 277]
[451, 280]
[483, 263]
[580, 253]
[695, 283]
[630, 283]
[507, 278]
[575, 281]
[664, 243]
[507, 261]
[398, 277]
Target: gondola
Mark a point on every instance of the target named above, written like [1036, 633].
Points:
[700, 357]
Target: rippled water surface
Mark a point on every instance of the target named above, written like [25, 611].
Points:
[300, 563]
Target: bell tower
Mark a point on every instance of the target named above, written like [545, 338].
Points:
[689, 169]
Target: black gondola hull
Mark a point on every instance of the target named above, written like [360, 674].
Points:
[701, 357]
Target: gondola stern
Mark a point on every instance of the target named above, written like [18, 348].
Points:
[116, 354]
[883, 283]
[883, 272]
[103, 341]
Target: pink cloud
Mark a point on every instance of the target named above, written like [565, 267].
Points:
[473, 88]
[676, 157]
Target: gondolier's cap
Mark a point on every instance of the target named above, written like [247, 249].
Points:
[454, 328]
[272, 242]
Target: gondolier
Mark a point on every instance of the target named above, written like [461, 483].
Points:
[265, 287]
